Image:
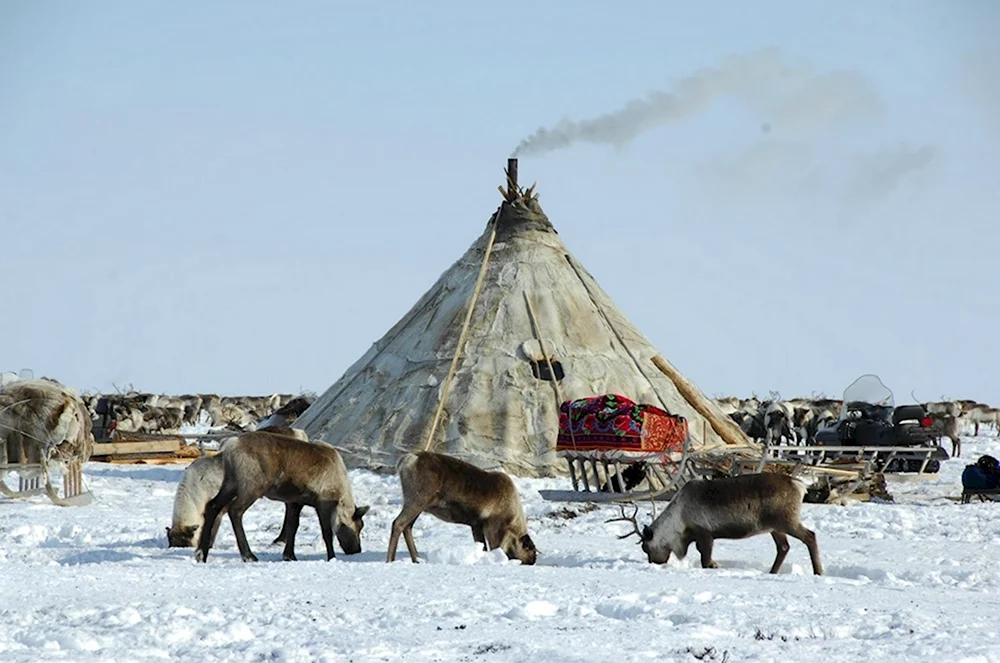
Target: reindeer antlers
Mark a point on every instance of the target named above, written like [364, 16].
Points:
[628, 519]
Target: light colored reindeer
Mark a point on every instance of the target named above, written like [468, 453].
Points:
[728, 508]
[199, 483]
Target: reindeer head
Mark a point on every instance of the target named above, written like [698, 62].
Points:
[657, 548]
[181, 537]
[349, 526]
[519, 547]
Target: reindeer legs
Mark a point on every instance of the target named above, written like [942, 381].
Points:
[703, 541]
[411, 547]
[403, 524]
[288, 530]
[781, 543]
[327, 511]
[227, 493]
[283, 535]
[808, 537]
[479, 536]
[236, 511]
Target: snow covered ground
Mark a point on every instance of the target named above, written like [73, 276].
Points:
[915, 580]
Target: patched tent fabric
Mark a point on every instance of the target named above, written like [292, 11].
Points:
[501, 408]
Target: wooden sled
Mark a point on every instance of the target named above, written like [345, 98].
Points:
[618, 450]
[599, 475]
[34, 478]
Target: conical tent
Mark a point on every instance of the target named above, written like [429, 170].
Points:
[500, 409]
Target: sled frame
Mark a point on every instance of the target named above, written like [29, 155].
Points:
[866, 457]
[590, 470]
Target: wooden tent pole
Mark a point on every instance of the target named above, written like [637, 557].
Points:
[726, 430]
[548, 362]
[465, 330]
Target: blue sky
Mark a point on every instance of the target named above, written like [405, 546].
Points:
[175, 178]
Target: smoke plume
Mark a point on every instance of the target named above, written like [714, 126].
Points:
[764, 78]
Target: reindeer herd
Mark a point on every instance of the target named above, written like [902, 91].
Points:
[282, 465]
[278, 462]
[139, 412]
[797, 421]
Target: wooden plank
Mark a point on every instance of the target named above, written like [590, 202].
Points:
[119, 436]
[150, 460]
[149, 446]
[601, 498]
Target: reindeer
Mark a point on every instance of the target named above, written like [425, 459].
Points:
[953, 408]
[803, 423]
[751, 423]
[287, 413]
[983, 414]
[779, 423]
[199, 483]
[946, 425]
[459, 492]
[279, 467]
[727, 508]
[160, 419]
[728, 404]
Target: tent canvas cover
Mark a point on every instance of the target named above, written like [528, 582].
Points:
[499, 410]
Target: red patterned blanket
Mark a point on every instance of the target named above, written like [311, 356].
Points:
[613, 422]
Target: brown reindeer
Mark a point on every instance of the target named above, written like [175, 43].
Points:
[279, 467]
[728, 508]
[459, 492]
[946, 425]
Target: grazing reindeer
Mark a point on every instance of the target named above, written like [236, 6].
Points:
[279, 467]
[199, 483]
[459, 492]
[729, 508]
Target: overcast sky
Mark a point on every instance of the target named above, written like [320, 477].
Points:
[243, 197]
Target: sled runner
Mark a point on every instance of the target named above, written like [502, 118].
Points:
[35, 478]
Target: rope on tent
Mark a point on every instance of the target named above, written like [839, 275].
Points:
[465, 331]
[548, 362]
